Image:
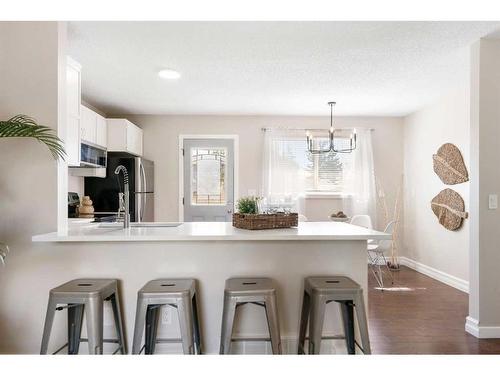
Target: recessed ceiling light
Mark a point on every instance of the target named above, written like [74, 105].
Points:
[169, 74]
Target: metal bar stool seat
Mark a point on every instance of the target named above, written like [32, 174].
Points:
[257, 291]
[178, 293]
[318, 292]
[79, 296]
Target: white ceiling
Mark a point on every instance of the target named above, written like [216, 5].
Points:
[281, 68]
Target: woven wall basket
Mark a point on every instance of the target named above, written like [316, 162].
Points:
[449, 208]
[449, 165]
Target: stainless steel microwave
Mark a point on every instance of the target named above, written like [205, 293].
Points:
[92, 156]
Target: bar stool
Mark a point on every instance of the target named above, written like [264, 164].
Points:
[79, 296]
[257, 291]
[177, 293]
[318, 292]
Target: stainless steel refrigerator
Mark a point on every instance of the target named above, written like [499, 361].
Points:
[104, 191]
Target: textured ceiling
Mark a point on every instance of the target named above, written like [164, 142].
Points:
[282, 68]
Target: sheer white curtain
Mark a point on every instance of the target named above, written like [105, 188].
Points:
[360, 178]
[283, 179]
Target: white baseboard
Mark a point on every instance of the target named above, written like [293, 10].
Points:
[444, 277]
[288, 345]
[472, 326]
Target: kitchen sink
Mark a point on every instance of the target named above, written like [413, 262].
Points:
[144, 224]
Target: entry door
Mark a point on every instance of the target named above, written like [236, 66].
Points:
[208, 179]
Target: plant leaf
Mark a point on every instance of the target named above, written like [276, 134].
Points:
[26, 127]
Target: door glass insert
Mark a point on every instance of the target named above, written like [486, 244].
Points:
[208, 176]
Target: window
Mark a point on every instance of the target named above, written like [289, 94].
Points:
[208, 171]
[293, 170]
[329, 169]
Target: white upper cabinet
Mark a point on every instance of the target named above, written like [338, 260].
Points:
[101, 131]
[93, 128]
[124, 136]
[73, 112]
[88, 127]
[134, 139]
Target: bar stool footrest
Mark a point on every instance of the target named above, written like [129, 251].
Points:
[253, 339]
[163, 341]
[107, 341]
[335, 337]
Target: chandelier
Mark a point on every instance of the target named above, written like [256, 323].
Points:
[331, 137]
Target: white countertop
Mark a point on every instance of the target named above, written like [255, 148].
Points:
[212, 231]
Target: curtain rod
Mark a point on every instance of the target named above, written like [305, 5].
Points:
[312, 129]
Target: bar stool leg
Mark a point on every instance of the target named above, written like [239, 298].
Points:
[49, 319]
[359, 305]
[94, 308]
[304, 319]
[140, 319]
[152, 318]
[316, 324]
[228, 313]
[75, 320]
[347, 312]
[185, 311]
[273, 323]
[196, 326]
[117, 314]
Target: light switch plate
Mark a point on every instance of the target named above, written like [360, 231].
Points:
[493, 201]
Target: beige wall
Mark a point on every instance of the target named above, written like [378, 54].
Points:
[161, 136]
[30, 76]
[484, 298]
[425, 240]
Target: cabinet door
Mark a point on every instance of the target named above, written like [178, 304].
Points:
[73, 141]
[134, 139]
[73, 91]
[101, 131]
[89, 125]
[73, 114]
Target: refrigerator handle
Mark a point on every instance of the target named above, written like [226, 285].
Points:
[144, 188]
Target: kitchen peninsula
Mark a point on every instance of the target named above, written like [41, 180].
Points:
[211, 252]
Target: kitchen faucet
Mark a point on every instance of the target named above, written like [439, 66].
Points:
[126, 195]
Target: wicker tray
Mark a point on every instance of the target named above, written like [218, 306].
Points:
[265, 221]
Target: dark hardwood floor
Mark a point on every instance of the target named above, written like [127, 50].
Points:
[421, 316]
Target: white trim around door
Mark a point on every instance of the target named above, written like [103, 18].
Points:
[182, 137]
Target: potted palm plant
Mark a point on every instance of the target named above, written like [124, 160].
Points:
[26, 127]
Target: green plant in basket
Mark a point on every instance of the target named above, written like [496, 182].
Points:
[248, 205]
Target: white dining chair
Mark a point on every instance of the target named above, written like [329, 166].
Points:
[376, 257]
[362, 221]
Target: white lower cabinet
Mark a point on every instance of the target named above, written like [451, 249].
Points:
[124, 136]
